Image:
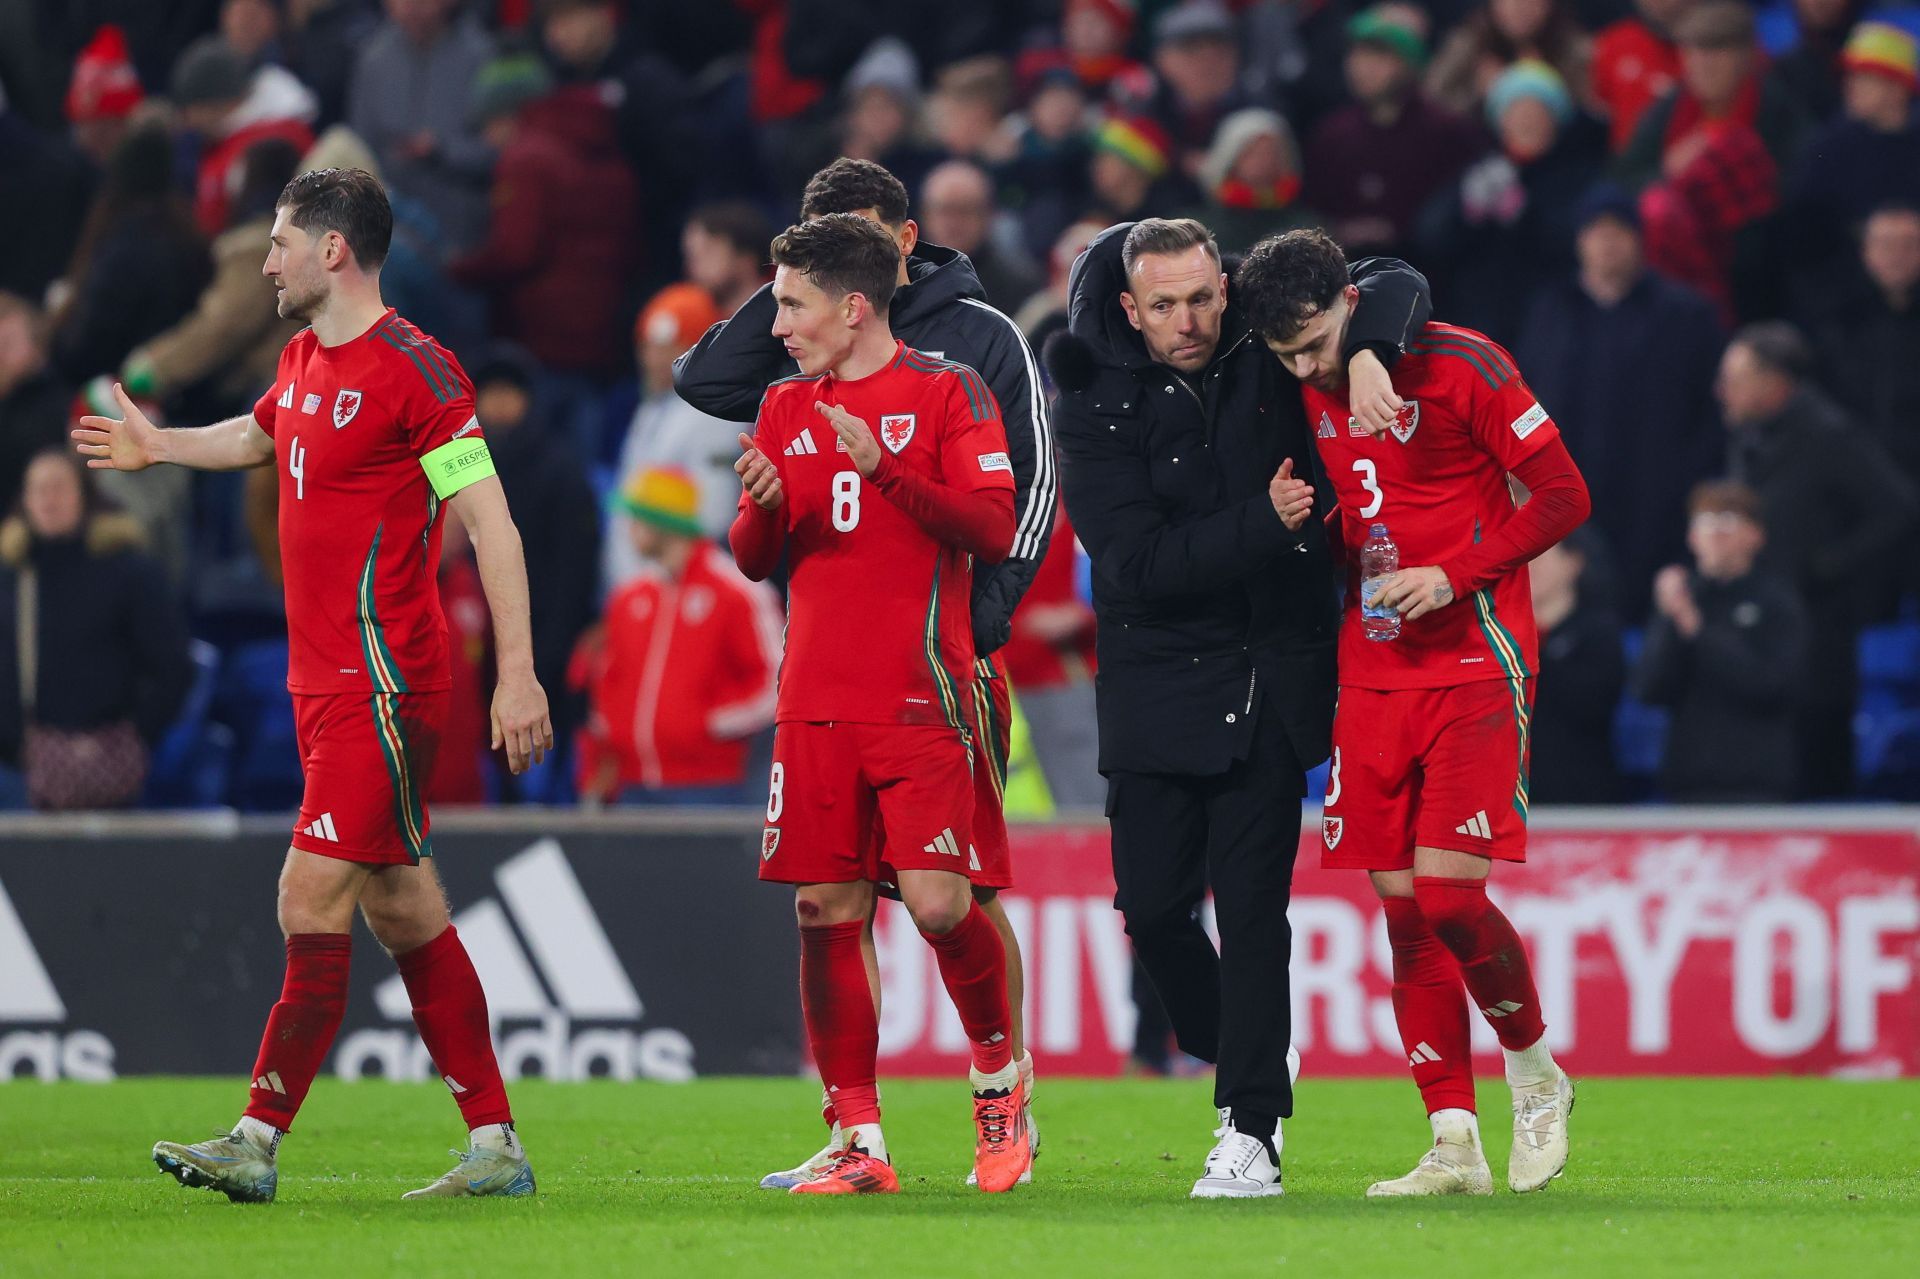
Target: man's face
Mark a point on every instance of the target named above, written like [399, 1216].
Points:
[1609, 250]
[21, 355]
[1748, 391]
[581, 36]
[1528, 129]
[51, 499]
[816, 330]
[1313, 354]
[1876, 100]
[1714, 75]
[1119, 184]
[249, 26]
[1201, 70]
[1176, 300]
[712, 261]
[1891, 251]
[958, 205]
[648, 540]
[419, 20]
[296, 264]
[501, 405]
[1724, 544]
[1663, 13]
[1376, 75]
[1553, 573]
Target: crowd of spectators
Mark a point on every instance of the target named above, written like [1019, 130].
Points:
[1695, 223]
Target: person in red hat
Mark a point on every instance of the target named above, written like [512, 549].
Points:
[1868, 158]
[103, 93]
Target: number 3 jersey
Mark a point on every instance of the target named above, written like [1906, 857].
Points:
[369, 437]
[1438, 481]
[879, 629]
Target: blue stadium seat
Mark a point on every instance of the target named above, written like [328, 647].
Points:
[191, 761]
[1890, 660]
[251, 699]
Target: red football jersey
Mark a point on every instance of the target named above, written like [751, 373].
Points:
[359, 526]
[879, 621]
[1439, 484]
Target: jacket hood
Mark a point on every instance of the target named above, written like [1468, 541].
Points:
[106, 533]
[937, 277]
[575, 114]
[1094, 315]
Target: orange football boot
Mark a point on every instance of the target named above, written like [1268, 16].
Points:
[852, 1172]
[1003, 1147]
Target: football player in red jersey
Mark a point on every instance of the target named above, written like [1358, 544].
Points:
[371, 424]
[880, 472]
[1428, 786]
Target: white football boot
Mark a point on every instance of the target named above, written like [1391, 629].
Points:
[1449, 1168]
[234, 1164]
[1540, 1134]
[492, 1165]
[812, 1167]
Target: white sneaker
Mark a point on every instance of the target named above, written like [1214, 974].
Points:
[1449, 1168]
[240, 1168]
[1238, 1166]
[1539, 1134]
[481, 1171]
[813, 1166]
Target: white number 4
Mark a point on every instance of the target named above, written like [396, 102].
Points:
[297, 468]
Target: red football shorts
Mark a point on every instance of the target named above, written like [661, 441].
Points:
[989, 717]
[366, 758]
[838, 789]
[1428, 767]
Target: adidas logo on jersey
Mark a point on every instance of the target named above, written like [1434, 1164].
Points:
[1422, 1053]
[322, 828]
[543, 957]
[286, 397]
[1475, 826]
[1326, 431]
[944, 843]
[802, 444]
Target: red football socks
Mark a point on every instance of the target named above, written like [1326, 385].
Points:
[1492, 957]
[1430, 1007]
[301, 1027]
[450, 1008]
[842, 1029]
[973, 964]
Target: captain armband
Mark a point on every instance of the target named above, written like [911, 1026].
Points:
[456, 464]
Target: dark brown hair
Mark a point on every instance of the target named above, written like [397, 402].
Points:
[350, 201]
[849, 186]
[1288, 279]
[1151, 237]
[842, 253]
[1725, 497]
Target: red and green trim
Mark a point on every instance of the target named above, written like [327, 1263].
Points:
[1487, 359]
[382, 669]
[409, 813]
[943, 680]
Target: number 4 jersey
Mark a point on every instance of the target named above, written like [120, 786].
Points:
[1438, 482]
[879, 627]
[370, 437]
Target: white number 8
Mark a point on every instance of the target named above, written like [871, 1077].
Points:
[846, 501]
[776, 799]
[1370, 481]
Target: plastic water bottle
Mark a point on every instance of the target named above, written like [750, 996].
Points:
[1379, 560]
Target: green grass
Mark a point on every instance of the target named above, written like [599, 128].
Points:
[1729, 1178]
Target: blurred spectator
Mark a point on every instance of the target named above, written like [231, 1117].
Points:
[33, 400]
[38, 233]
[1372, 167]
[1131, 171]
[103, 94]
[466, 731]
[1293, 54]
[410, 97]
[725, 248]
[1046, 311]
[686, 661]
[1195, 82]
[1250, 181]
[139, 266]
[1503, 232]
[1723, 88]
[881, 123]
[1095, 36]
[1635, 64]
[157, 33]
[1725, 652]
[556, 514]
[1867, 158]
[251, 29]
[964, 111]
[1582, 670]
[1625, 361]
[558, 258]
[93, 649]
[235, 334]
[1050, 663]
[1043, 180]
[1810, 71]
[1838, 515]
[1868, 346]
[230, 107]
[957, 210]
[1504, 32]
[319, 43]
[668, 432]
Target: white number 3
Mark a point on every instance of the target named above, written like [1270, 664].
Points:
[1370, 481]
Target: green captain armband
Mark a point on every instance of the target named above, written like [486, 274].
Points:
[456, 464]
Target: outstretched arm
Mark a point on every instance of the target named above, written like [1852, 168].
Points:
[133, 443]
[520, 720]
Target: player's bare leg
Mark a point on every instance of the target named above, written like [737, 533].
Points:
[406, 909]
[972, 963]
[316, 901]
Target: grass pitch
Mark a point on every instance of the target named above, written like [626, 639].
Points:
[1729, 1178]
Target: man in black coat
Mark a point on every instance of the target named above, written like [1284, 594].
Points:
[1182, 441]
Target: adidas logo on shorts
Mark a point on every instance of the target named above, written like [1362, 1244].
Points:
[1476, 826]
[945, 843]
[322, 828]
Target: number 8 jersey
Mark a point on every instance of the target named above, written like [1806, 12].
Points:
[879, 627]
[1438, 482]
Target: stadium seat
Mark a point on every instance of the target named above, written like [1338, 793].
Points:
[251, 699]
[1890, 660]
[190, 763]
